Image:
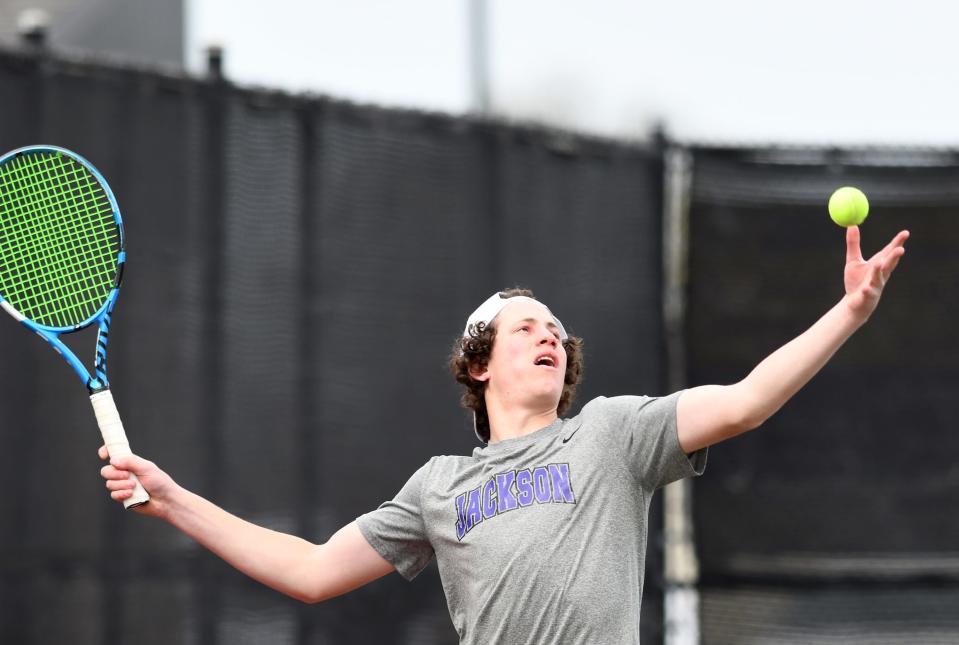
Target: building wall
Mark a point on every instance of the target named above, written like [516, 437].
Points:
[134, 30]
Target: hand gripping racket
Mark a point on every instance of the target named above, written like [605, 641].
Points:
[61, 261]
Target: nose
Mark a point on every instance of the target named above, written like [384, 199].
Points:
[548, 339]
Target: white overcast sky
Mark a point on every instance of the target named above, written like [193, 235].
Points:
[737, 71]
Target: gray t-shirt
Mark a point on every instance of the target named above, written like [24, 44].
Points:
[541, 539]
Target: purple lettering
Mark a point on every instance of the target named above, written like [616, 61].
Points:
[562, 488]
[507, 501]
[460, 520]
[473, 515]
[513, 489]
[489, 502]
[524, 487]
[541, 485]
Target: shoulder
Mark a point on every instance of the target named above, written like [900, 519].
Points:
[445, 467]
[634, 413]
[613, 406]
[442, 462]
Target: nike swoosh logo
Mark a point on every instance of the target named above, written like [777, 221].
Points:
[571, 433]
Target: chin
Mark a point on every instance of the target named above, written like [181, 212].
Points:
[549, 401]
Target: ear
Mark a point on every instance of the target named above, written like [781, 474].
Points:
[479, 373]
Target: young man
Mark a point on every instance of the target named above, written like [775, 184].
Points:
[540, 535]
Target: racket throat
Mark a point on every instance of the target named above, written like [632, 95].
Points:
[98, 381]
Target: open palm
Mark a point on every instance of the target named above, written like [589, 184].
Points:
[865, 279]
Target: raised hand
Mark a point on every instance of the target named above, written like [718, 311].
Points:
[865, 279]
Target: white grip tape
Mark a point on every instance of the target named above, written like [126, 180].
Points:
[116, 439]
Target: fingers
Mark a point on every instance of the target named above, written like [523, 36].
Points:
[111, 472]
[877, 279]
[132, 463]
[128, 462]
[870, 287]
[880, 270]
[865, 281]
[119, 475]
[897, 242]
[120, 484]
[888, 258]
[900, 238]
[853, 252]
[890, 263]
[120, 495]
[123, 467]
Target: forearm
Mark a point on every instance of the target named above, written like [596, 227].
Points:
[784, 372]
[293, 566]
[709, 414]
[283, 562]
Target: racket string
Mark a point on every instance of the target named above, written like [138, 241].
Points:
[75, 284]
[32, 228]
[59, 240]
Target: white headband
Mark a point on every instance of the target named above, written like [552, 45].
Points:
[489, 310]
[494, 304]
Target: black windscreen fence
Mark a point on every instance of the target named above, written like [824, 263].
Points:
[298, 269]
[835, 521]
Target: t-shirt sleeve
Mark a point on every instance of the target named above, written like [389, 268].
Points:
[644, 428]
[397, 531]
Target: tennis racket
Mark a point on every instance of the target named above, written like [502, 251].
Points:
[61, 261]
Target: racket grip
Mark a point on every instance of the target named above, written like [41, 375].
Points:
[116, 439]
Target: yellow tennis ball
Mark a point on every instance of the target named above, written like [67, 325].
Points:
[848, 206]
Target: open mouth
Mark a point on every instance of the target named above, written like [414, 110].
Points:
[545, 361]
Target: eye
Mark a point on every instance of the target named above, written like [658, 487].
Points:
[524, 328]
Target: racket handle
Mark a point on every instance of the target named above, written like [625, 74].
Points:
[116, 439]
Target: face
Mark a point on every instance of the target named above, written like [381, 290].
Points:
[527, 365]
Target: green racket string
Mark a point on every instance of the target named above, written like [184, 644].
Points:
[59, 240]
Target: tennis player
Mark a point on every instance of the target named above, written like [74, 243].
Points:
[540, 534]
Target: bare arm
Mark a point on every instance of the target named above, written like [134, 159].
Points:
[712, 413]
[291, 565]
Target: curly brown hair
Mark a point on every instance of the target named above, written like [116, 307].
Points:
[473, 352]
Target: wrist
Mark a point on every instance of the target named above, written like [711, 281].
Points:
[169, 503]
[853, 311]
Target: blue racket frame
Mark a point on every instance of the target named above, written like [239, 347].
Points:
[98, 381]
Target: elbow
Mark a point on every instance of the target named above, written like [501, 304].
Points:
[745, 419]
[752, 411]
[312, 596]
[749, 421]
[733, 428]
[311, 585]
[310, 599]
[302, 593]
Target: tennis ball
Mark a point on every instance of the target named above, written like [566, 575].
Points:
[848, 206]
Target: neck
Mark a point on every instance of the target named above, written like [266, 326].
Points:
[511, 423]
